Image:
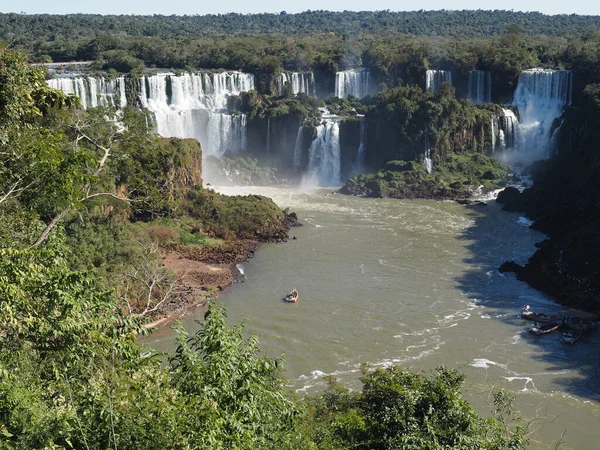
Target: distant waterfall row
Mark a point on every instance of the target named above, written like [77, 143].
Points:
[193, 105]
[356, 82]
[93, 91]
[185, 106]
[298, 82]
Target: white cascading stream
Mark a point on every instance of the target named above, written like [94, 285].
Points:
[479, 87]
[298, 148]
[427, 159]
[494, 127]
[196, 108]
[324, 156]
[93, 91]
[300, 82]
[541, 97]
[434, 79]
[359, 163]
[509, 129]
[356, 82]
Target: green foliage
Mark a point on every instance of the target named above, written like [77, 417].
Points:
[401, 409]
[241, 394]
[121, 61]
[302, 107]
[455, 176]
[242, 217]
[72, 376]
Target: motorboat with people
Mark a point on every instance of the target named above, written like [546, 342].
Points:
[546, 328]
[528, 314]
[571, 336]
[292, 297]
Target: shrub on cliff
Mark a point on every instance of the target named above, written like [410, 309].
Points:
[398, 409]
[241, 217]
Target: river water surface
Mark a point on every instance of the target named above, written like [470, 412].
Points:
[414, 283]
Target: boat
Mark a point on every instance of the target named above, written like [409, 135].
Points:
[528, 314]
[292, 297]
[571, 336]
[546, 328]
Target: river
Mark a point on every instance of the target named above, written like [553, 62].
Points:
[414, 283]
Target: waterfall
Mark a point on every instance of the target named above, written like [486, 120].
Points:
[356, 82]
[480, 87]
[280, 82]
[324, 154]
[298, 148]
[509, 129]
[93, 91]
[427, 160]
[541, 96]
[434, 78]
[193, 106]
[299, 82]
[494, 119]
[359, 163]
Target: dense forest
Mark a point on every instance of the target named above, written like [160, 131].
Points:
[348, 23]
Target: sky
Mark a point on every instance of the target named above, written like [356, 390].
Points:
[588, 7]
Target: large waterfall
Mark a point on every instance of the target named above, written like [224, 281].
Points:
[193, 106]
[324, 158]
[92, 91]
[434, 79]
[298, 82]
[356, 82]
[541, 96]
[479, 88]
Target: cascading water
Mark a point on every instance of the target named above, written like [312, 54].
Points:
[434, 79]
[494, 128]
[509, 129]
[93, 91]
[427, 160]
[324, 161]
[356, 82]
[299, 82]
[359, 163]
[480, 87]
[541, 96]
[192, 105]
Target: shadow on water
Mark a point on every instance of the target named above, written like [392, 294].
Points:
[497, 236]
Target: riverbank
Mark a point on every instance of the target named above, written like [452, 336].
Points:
[201, 273]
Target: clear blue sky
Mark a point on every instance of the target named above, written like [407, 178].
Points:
[590, 7]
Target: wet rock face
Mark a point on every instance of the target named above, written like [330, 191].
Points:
[510, 266]
[511, 198]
